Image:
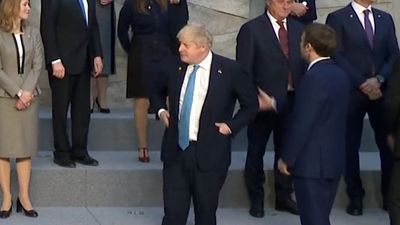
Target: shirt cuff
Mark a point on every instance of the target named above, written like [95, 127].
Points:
[160, 111]
[55, 61]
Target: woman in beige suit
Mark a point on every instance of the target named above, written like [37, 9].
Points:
[21, 62]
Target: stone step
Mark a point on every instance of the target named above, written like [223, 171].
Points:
[121, 181]
[153, 216]
[116, 131]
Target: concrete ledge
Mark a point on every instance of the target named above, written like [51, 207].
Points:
[116, 131]
[121, 181]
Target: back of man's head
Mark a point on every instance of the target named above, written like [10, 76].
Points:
[321, 37]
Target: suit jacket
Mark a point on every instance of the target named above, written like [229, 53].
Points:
[315, 139]
[354, 54]
[227, 84]
[310, 15]
[392, 106]
[259, 52]
[178, 15]
[10, 81]
[66, 35]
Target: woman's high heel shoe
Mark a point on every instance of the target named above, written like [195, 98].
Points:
[144, 157]
[5, 213]
[102, 110]
[29, 213]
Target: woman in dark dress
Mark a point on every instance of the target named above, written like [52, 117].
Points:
[154, 24]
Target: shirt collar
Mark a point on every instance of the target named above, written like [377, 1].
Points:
[359, 8]
[273, 19]
[206, 63]
[315, 61]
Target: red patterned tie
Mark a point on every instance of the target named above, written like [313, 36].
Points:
[284, 42]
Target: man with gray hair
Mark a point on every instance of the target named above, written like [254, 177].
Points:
[196, 150]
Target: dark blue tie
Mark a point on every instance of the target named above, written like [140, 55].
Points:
[368, 28]
[183, 124]
[83, 10]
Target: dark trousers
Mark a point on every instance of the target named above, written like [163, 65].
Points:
[393, 198]
[359, 106]
[258, 133]
[72, 90]
[315, 199]
[183, 181]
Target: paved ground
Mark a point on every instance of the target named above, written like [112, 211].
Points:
[153, 216]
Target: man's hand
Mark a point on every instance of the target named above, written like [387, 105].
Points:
[164, 117]
[391, 141]
[371, 87]
[105, 2]
[174, 1]
[265, 101]
[223, 128]
[283, 168]
[298, 9]
[98, 66]
[58, 70]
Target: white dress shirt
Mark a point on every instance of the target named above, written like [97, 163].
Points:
[275, 25]
[359, 11]
[199, 94]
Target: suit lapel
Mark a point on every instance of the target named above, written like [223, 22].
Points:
[356, 24]
[181, 71]
[270, 32]
[379, 25]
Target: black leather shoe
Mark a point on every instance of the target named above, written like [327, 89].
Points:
[28, 213]
[86, 160]
[287, 204]
[355, 208]
[102, 110]
[257, 209]
[5, 213]
[65, 163]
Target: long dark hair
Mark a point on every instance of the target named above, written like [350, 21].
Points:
[141, 5]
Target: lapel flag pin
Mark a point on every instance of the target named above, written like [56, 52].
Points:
[351, 16]
[219, 72]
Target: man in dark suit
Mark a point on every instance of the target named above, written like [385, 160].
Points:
[304, 11]
[268, 49]
[392, 116]
[314, 148]
[368, 46]
[196, 153]
[72, 49]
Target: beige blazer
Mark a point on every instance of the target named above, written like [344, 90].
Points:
[10, 81]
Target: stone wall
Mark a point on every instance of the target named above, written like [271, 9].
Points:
[223, 18]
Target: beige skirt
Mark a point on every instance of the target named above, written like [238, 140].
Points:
[18, 129]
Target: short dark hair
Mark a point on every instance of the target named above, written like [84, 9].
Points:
[321, 37]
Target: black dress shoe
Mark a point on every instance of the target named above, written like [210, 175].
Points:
[355, 208]
[5, 213]
[257, 209]
[287, 204]
[86, 160]
[28, 213]
[68, 163]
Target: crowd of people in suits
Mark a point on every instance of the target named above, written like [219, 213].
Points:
[309, 84]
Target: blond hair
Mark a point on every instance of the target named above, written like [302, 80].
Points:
[9, 12]
[197, 33]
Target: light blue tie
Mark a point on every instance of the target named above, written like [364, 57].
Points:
[83, 10]
[183, 124]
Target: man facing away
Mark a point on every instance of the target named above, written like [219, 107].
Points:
[367, 48]
[196, 148]
[72, 50]
[314, 151]
[268, 49]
